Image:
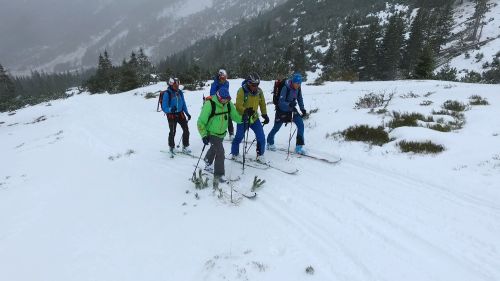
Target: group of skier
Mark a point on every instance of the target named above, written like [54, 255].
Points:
[218, 113]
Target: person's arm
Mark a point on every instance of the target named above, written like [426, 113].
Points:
[235, 115]
[262, 103]
[240, 100]
[284, 105]
[203, 119]
[165, 105]
[214, 88]
[300, 100]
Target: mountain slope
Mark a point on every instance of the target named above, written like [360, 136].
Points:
[71, 36]
[86, 194]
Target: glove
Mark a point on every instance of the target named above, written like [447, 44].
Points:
[266, 119]
[189, 116]
[249, 111]
[205, 140]
[245, 118]
[173, 109]
[304, 113]
[292, 103]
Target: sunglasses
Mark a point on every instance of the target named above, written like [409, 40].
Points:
[253, 85]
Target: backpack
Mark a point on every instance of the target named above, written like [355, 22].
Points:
[212, 113]
[160, 100]
[278, 85]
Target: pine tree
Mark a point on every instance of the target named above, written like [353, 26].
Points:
[479, 14]
[425, 64]
[144, 68]
[415, 42]
[128, 75]
[368, 56]
[7, 90]
[348, 42]
[443, 27]
[391, 48]
[299, 58]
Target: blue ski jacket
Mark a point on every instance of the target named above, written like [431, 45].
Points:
[172, 99]
[288, 94]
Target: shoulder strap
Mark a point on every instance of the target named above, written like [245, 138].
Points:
[212, 113]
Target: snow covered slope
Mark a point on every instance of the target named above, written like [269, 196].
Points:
[476, 58]
[85, 194]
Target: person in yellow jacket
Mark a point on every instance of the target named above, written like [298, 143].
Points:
[212, 126]
[248, 100]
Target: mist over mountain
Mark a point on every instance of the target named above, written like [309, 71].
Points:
[58, 35]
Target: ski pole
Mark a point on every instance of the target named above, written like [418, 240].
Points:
[290, 138]
[194, 172]
[253, 141]
[245, 147]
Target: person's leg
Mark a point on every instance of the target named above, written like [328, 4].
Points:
[297, 119]
[240, 134]
[274, 130]
[185, 132]
[172, 126]
[230, 126]
[219, 155]
[210, 156]
[260, 136]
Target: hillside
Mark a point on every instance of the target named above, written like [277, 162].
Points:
[69, 35]
[86, 194]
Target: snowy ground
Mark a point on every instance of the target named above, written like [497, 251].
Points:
[74, 205]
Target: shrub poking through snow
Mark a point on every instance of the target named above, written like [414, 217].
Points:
[150, 95]
[373, 100]
[199, 181]
[477, 100]
[420, 147]
[257, 183]
[364, 133]
[310, 270]
[454, 105]
[440, 127]
[407, 119]
[426, 103]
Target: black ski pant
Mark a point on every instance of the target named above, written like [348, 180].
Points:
[172, 125]
[216, 151]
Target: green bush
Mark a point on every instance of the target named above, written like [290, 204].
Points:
[407, 119]
[420, 147]
[150, 95]
[477, 100]
[365, 133]
[440, 127]
[454, 105]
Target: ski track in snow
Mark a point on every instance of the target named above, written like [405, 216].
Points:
[377, 215]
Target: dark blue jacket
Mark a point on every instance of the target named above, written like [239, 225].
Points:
[285, 99]
[172, 98]
[216, 85]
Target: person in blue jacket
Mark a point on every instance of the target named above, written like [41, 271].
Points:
[174, 106]
[220, 81]
[286, 111]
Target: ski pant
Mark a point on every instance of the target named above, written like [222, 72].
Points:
[172, 125]
[297, 119]
[230, 126]
[216, 151]
[240, 134]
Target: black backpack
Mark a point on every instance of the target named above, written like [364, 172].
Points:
[212, 113]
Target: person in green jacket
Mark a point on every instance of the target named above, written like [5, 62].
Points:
[212, 126]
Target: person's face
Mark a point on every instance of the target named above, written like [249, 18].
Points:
[175, 86]
[295, 85]
[222, 78]
[253, 87]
